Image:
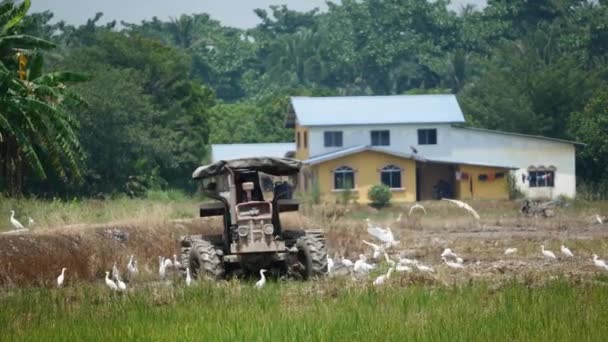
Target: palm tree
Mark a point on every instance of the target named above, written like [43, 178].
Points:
[36, 131]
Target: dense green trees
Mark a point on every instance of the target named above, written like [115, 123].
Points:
[162, 90]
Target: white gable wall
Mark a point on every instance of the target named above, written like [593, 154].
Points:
[522, 152]
[401, 136]
[471, 146]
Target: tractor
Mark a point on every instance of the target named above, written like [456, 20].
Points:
[249, 194]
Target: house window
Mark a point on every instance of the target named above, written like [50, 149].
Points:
[391, 176]
[541, 179]
[344, 178]
[381, 138]
[298, 139]
[333, 138]
[427, 136]
[305, 139]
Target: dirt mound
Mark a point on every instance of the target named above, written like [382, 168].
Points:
[87, 252]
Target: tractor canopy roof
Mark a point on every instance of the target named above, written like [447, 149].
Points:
[268, 165]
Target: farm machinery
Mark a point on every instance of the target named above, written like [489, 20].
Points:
[249, 194]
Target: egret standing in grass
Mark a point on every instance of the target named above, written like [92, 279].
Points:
[14, 221]
[599, 263]
[132, 268]
[361, 265]
[30, 222]
[423, 268]
[176, 263]
[111, 284]
[346, 262]
[188, 277]
[452, 264]
[377, 249]
[61, 277]
[115, 271]
[121, 284]
[566, 251]
[168, 262]
[330, 264]
[546, 253]
[447, 253]
[510, 251]
[260, 283]
[162, 268]
[383, 278]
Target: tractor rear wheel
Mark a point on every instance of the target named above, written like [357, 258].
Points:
[204, 262]
[311, 257]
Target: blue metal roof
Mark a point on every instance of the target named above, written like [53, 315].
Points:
[365, 110]
[237, 151]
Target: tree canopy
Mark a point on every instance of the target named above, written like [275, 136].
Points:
[162, 90]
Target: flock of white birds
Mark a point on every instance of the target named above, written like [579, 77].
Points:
[362, 266]
[387, 241]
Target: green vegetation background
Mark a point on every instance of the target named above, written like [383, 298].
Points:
[161, 91]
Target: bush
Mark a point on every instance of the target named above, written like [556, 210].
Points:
[380, 195]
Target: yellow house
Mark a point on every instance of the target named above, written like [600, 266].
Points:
[350, 144]
[352, 172]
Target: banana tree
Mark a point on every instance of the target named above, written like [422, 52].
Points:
[37, 132]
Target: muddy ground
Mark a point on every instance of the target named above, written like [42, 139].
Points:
[36, 258]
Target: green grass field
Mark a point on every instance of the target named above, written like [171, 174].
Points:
[327, 311]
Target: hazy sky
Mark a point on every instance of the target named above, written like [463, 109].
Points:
[237, 13]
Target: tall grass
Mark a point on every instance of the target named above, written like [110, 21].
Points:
[51, 213]
[337, 311]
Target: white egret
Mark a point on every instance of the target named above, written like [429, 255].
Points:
[416, 207]
[14, 221]
[30, 221]
[546, 253]
[406, 261]
[330, 264]
[599, 263]
[464, 206]
[361, 265]
[162, 268]
[115, 271]
[510, 251]
[399, 217]
[347, 262]
[188, 277]
[260, 283]
[121, 284]
[61, 277]
[176, 263]
[377, 249]
[403, 268]
[447, 253]
[110, 283]
[384, 235]
[132, 267]
[566, 251]
[423, 268]
[383, 278]
[452, 264]
[598, 218]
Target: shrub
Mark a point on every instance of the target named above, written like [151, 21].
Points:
[380, 195]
